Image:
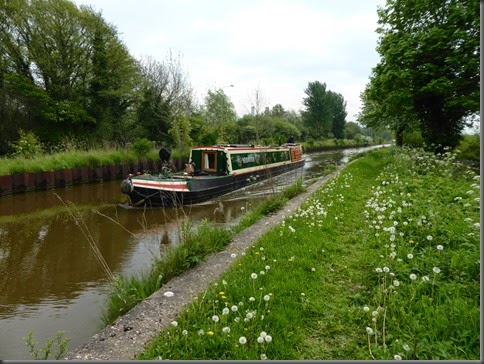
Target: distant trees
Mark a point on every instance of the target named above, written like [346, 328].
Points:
[325, 111]
[428, 75]
[65, 76]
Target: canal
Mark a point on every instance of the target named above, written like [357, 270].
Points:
[50, 278]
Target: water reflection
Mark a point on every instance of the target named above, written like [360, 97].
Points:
[50, 277]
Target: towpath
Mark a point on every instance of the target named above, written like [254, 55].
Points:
[130, 333]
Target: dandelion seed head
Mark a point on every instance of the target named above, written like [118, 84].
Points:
[386, 269]
[267, 297]
[242, 340]
[268, 338]
[366, 309]
[397, 357]
[263, 356]
[225, 311]
[413, 276]
[253, 276]
[378, 270]
[215, 318]
[374, 313]
[410, 256]
[260, 340]
[226, 330]
[234, 308]
[440, 247]
[429, 237]
[185, 332]
[369, 330]
[251, 299]
[396, 283]
[436, 270]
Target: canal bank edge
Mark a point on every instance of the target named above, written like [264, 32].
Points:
[130, 333]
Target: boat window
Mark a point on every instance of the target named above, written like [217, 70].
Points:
[209, 161]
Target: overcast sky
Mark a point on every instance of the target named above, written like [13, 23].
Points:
[275, 46]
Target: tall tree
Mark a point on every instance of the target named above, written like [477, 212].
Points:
[67, 72]
[338, 111]
[165, 94]
[429, 69]
[325, 113]
[220, 114]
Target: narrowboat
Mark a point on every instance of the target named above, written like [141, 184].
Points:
[211, 171]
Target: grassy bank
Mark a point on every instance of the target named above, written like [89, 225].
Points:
[193, 246]
[380, 263]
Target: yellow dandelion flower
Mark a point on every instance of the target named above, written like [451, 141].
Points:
[222, 293]
[224, 297]
[210, 333]
[410, 242]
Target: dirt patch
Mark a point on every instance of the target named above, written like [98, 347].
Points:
[129, 334]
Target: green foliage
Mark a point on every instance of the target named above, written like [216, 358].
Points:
[428, 75]
[325, 113]
[470, 148]
[180, 134]
[194, 245]
[28, 146]
[322, 283]
[68, 71]
[141, 147]
[45, 353]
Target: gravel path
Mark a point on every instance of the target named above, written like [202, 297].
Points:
[129, 334]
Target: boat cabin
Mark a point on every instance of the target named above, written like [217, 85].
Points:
[209, 161]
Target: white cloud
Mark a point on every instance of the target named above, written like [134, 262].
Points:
[277, 46]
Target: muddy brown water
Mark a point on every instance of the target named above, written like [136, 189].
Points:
[50, 278]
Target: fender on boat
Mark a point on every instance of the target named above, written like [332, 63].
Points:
[127, 186]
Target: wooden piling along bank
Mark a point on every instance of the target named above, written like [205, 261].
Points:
[35, 181]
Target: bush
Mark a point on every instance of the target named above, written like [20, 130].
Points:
[28, 145]
[141, 147]
[469, 148]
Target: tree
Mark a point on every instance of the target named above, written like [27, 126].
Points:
[429, 69]
[220, 114]
[317, 116]
[66, 72]
[325, 114]
[338, 111]
[165, 94]
[258, 102]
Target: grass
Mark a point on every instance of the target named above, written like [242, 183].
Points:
[381, 263]
[71, 159]
[194, 245]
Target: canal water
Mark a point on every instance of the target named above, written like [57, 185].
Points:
[50, 277]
